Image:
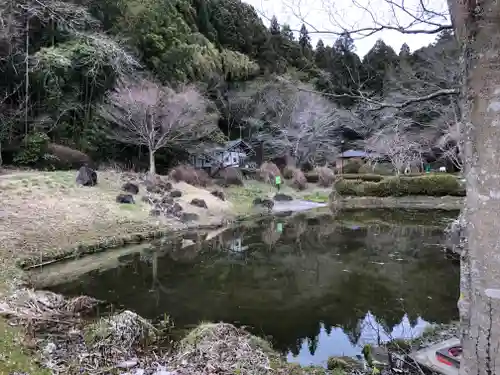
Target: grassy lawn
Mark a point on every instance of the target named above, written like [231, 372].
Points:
[13, 357]
[242, 196]
[318, 197]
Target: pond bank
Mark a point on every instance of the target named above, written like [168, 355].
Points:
[446, 203]
[127, 344]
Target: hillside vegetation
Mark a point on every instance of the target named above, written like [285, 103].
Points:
[261, 82]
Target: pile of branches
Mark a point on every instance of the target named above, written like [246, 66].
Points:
[222, 349]
[43, 311]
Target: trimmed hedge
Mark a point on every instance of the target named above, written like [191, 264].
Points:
[363, 177]
[398, 186]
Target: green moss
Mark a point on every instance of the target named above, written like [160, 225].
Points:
[317, 197]
[13, 358]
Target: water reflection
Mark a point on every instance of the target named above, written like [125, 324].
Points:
[316, 286]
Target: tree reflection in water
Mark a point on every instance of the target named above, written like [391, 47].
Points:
[317, 286]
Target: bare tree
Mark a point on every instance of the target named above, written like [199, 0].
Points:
[147, 114]
[396, 145]
[300, 124]
[449, 145]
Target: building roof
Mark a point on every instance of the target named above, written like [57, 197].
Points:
[234, 143]
[354, 154]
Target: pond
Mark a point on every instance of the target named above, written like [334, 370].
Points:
[315, 285]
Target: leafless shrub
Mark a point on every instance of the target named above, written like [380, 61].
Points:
[150, 115]
[190, 175]
[288, 171]
[299, 180]
[268, 172]
[230, 176]
[326, 176]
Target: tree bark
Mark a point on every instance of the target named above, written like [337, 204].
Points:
[152, 163]
[477, 27]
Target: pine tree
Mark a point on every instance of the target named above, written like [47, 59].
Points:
[275, 26]
[405, 50]
[320, 55]
[287, 33]
[305, 42]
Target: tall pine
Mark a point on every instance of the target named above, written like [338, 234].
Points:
[305, 42]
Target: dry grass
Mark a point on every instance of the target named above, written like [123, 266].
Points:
[47, 211]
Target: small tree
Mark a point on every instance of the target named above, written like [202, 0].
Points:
[449, 144]
[146, 114]
[396, 145]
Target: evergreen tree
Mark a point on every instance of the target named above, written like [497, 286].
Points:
[275, 26]
[405, 50]
[345, 44]
[320, 55]
[287, 33]
[305, 42]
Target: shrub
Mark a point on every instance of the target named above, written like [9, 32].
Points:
[34, 150]
[326, 176]
[67, 157]
[230, 176]
[190, 175]
[299, 180]
[363, 177]
[288, 172]
[352, 166]
[396, 186]
[312, 177]
[268, 172]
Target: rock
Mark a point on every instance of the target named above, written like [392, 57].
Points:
[263, 202]
[154, 189]
[155, 212]
[167, 200]
[176, 208]
[86, 176]
[165, 186]
[128, 364]
[176, 194]
[125, 198]
[188, 216]
[199, 203]
[219, 194]
[131, 188]
[280, 197]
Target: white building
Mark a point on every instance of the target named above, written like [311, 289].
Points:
[234, 154]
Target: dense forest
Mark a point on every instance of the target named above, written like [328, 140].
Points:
[76, 75]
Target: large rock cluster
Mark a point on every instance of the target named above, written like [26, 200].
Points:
[161, 196]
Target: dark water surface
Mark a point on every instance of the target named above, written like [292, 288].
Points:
[316, 286]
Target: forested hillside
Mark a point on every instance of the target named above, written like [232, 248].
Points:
[61, 62]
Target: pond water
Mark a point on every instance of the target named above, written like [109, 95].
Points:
[315, 286]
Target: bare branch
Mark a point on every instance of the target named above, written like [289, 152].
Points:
[154, 116]
[396, 144]
[299, 123]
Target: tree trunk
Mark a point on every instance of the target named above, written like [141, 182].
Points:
[477, 26]
[152, 163]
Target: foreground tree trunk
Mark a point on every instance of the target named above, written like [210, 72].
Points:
[152, 163]
[477, 27]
